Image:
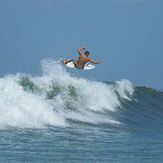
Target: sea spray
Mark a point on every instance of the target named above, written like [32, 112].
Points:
[55, 97]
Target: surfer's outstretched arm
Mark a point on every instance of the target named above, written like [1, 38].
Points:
[94, 62]
[80, 50]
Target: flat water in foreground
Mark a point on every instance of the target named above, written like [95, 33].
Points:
[79, 144]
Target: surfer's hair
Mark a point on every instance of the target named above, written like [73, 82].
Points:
[86, 53]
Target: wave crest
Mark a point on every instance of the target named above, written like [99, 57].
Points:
[56, 97]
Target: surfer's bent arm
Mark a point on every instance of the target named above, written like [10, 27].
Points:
[80, 50]
[94, 62]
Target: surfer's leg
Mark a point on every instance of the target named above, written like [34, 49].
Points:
[72, 60]
[65, 61]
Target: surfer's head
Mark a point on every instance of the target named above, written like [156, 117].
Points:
[86, 53]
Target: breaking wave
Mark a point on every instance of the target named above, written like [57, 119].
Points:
[57, 98]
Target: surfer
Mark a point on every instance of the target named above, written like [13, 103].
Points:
[82, 60]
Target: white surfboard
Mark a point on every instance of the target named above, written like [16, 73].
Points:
[86, 67]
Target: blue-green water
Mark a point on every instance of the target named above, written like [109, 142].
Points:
[56, 117]
[80, 144]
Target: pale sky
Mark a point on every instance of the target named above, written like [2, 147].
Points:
[126, 34]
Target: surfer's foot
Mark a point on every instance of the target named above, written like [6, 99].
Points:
[65, 61]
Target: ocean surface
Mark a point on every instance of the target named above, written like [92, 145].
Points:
[57, 117]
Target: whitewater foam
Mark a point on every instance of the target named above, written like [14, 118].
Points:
[60, 97]
[23, 109]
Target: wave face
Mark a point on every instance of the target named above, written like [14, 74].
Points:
[57, 98]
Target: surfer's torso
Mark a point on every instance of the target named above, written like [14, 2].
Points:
[82, 60]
